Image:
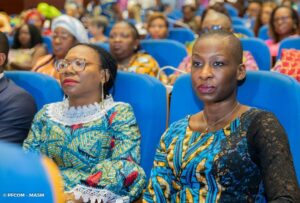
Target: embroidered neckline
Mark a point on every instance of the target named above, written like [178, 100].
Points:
[61, 112]
[97, 195]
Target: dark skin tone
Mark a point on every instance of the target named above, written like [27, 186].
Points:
[215, 73]
[2, 61]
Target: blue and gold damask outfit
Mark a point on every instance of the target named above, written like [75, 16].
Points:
[96, 145]
[238, 163]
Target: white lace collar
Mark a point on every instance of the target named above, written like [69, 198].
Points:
[61, 112]
[93, 195]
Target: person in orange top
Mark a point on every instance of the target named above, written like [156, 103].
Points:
[67, 31]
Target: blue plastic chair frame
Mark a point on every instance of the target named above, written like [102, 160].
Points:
[148, 97]
[260, 52]
[182, 35]
[166, 52]
[289, 43]
[43, 88]
[243, 30]
[263, 32]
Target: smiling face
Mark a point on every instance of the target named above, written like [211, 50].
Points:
[62, 42]
[122, 41]
[82, 84]
[283, 22]
[215, 69]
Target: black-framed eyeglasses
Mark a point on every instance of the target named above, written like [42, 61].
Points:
[77, 65]
[283, 19]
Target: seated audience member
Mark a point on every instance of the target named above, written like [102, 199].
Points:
[213, 20]
[97, 27]
[94, 140]
[284, 23]
[17, 107]
[252, 12]
[265, 15]
[157, 26]
[35, 18]
[108, 8]
[189, 18]
[224, 152]
[67, 31]
[27, 48]
[74, 8]
[125, 47]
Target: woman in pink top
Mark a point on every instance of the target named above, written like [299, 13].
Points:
[284, 23]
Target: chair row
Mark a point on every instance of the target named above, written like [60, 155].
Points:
[262, 89]
[171, 53]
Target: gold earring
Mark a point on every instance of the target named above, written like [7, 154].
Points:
[102, 96]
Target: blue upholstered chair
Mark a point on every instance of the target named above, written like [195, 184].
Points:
[28, 178]
[237, 21]
[103, 45]
[259, 50]
[148, 98]
[243, 30]
[289, 43]
[182, 35]
[263, 32]
[48, 42]
[267, 90]
[175, 14]
[43, 88]
[166, 52]
[233, 12]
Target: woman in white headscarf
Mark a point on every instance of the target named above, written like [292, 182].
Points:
[67, 31]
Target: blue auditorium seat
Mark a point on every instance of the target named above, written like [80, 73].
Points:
[28, 178]
[43, 88]
[260, 52]
[166, 52]
[289, 43]
[148, 97]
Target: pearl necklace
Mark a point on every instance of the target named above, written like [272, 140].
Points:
[208, 126]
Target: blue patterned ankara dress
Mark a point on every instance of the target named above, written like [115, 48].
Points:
[90, 140]
[235, 164]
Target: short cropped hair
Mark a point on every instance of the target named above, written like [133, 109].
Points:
[235, 44]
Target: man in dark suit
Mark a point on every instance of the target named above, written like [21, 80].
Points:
[17, 107]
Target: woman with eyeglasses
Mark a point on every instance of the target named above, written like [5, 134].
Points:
[94, 140]
[66, 32]
[213, 20]
[284, 22]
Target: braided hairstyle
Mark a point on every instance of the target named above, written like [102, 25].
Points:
[107, 62]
